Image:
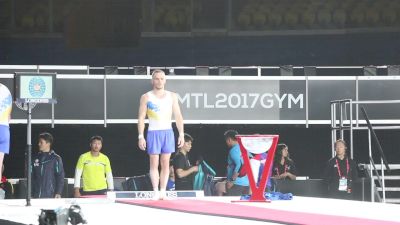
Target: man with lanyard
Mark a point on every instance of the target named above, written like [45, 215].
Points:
[340, 173]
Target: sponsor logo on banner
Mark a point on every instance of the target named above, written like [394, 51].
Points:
[150, 194]
[241, 100]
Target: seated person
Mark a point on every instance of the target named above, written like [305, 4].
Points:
[95, 169]
[284, 167]
[184, 171]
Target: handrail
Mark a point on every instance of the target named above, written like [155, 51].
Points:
[382, 155]
[378, 144]
[260, 70]
[377, 102]
[375, 171]
[374, 192]
[340, 107]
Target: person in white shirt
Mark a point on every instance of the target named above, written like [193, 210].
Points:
[159, 105]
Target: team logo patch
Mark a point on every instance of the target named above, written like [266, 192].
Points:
[37, 87]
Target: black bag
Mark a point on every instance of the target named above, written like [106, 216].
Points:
[8, 189]
[138, 183]
[209, 186]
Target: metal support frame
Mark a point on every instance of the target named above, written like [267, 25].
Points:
[105, 99]
[371, 165]
[28, 156]
[346, 123]
[341, 127]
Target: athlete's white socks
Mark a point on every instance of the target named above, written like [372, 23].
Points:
[163, 194]
[156, 195]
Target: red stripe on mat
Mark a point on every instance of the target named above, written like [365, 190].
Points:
[252, 212]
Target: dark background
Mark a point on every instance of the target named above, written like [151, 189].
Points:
[309, 147]
[323, 50]
[173, 33]
[199, 32]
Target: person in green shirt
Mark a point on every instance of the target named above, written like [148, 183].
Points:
[95, 169]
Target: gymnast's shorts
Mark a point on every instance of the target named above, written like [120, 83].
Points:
[4, 139]
[160, 142]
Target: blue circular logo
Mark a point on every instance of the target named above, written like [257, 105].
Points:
[37, 87]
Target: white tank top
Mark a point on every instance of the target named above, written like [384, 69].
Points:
[5, 105]
[159, 111]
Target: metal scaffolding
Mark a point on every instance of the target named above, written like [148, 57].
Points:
[345, 122]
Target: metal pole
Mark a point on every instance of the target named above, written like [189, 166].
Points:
[341, 120]
[28, 157]
[332, 125]
[307, 111]
[383, 181]
[363, 189]
[335, 132]
[371, 167]
[52, 115]
[148, 68]
[357, 122]
[351, 129]
[105, 99]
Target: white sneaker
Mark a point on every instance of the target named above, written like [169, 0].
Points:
[156, 196]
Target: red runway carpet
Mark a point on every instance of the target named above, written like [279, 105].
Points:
[251, 212]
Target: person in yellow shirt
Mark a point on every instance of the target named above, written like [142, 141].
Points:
[95, 169]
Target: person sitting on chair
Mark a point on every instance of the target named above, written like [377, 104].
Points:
[184, 171]
[284, 167]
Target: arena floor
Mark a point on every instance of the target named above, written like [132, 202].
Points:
[208, 210]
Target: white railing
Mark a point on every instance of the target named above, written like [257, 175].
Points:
[284, 70]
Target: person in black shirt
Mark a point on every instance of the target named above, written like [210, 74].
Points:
[340, 173]
[284, 167]
[184, 171]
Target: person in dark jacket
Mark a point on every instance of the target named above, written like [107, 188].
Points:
[47, 170]
[340, 173]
